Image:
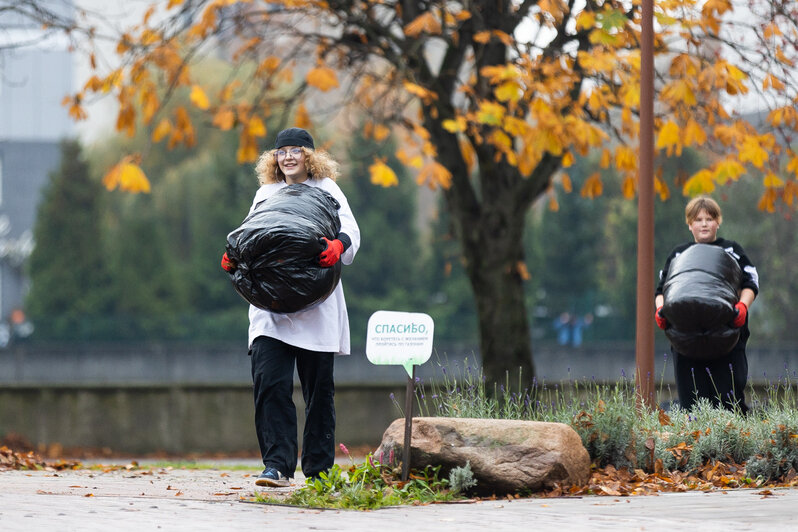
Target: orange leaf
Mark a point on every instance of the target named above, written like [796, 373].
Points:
[247, 148]
[163, 128]
[628, 187]
[434, 174]
[302, 118]
[323, 78]
[426, 22]
[592, 187]
[224, 119]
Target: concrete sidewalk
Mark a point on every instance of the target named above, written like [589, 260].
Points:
[215, 499]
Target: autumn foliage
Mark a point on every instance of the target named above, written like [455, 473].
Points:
[564, 102]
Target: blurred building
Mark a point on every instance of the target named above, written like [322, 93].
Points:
[35, 74]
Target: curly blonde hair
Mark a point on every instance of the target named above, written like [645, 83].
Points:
[319, 163]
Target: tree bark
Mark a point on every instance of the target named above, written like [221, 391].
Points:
[505, 342]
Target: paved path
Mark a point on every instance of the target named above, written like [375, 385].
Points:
[214, 499]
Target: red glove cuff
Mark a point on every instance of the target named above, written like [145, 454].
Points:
[662, 323]
[227, 264]
[332, 253]
[742, 313]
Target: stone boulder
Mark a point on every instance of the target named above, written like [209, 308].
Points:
[506, 456]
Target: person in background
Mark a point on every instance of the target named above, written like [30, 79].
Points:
[307, 340]
[721, 380]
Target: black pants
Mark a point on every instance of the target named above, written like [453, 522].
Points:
[722, 381]
[273, 364]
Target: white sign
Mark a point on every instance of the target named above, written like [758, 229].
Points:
[402, 338]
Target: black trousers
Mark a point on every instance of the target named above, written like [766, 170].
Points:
[273, 364]
[722, 381]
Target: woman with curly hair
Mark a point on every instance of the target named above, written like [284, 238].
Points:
[308, 339]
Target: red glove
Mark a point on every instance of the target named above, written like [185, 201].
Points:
[228, 265]
[662, 323]
[742, 312]
[331, 253]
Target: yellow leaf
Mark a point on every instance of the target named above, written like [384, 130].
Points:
[508, 91]
[773, 181]
[751, 151]
[490, 113]
[605, 158]
[425, 23]
[694, 134]
[381, 174]
[163, 128]
[323, 78]
[792, 166]
[567, 159]
[593, 187]
[625, 158]
[173, 3]
[628, 187]
[669, 137]
[679, 91]
[127, 176]
[381, 132]
[699, 183]
[454, 126]
[414, 161]
[199, 98]
[728, 170]
[661, 188]
[256, 128]
[224, 119]
[585, 20]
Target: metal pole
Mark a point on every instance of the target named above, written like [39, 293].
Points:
[409, 395]
[644, 345]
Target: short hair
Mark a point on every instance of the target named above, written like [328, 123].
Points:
[700, 203]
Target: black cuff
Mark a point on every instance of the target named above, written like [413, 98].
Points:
[345, 240]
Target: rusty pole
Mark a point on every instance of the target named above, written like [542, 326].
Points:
[644, 344]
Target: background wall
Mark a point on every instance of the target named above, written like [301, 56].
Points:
[184, 399]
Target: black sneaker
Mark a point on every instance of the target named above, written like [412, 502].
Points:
[273, 478]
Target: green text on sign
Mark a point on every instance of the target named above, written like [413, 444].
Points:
[400, 338]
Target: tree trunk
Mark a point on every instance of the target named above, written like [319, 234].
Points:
[494, 271]
[490, 228]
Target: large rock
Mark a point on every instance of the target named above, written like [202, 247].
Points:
[505, 455]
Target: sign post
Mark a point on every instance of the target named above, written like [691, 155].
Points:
[401, 338]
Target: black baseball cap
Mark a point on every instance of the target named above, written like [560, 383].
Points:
[294, 136]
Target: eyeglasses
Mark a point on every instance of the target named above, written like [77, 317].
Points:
[295, 152]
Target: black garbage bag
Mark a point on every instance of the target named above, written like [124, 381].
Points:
[700, 292]
[277, 246]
